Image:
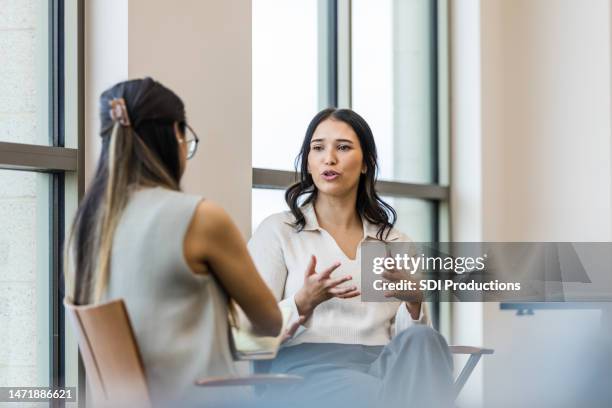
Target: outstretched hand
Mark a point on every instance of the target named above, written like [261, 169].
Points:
[397, 276]
[319, 287]
[412, 298]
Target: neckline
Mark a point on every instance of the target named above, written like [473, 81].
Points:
[344, 255]
[363, 236]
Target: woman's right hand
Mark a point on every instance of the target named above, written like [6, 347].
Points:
[319, 287]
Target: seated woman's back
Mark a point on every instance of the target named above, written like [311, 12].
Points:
[179, 318]
[177, 261]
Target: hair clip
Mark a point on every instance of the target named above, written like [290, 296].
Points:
[118, 111]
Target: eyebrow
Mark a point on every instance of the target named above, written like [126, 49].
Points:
[337, 140]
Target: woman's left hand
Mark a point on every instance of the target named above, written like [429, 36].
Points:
[413, 298]
[409, 296]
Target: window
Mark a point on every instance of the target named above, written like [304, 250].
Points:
[285, 79]
[24, 73]
[392, 68]
[384, 59]
[40, 139]
[24, 276]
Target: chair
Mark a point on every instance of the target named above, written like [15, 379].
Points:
[115, 372]
[475, 353]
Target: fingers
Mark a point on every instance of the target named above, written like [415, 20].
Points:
[391, 275]
[342, 291]
[310, 269]
[326, 273]
[293, 328]
[351, 294]
[335, 282]
[408, 296]
[289, 333]
[397, 276]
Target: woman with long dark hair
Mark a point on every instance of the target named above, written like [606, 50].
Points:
[349, 351]
[177, 260]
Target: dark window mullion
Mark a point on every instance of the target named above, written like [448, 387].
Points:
[435, 134]
[56, 312]
[56, 130]
[57, 73]
[333, 52]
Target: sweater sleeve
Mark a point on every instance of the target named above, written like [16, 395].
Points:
[403, 320]
[266, 249]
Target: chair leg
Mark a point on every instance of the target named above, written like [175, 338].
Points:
[466, 372]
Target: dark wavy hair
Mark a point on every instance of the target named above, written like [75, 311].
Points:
[369, 205]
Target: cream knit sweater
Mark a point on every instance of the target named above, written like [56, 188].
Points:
[281, 255]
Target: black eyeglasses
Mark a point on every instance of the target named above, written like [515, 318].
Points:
[192, 140]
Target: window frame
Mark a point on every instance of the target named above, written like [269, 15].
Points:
[335, 90]
[58, 162]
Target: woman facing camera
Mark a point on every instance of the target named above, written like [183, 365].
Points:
[363, 353]
[175, 259]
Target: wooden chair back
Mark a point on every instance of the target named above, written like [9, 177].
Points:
[115, 372]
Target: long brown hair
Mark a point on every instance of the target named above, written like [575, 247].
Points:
[369, 205]
[143, 153]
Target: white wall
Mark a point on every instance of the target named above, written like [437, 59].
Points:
[201, 50]
[106, 63]
[466, 170]
[540, 113]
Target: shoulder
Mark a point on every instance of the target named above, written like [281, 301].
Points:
[400, 235]
[210, 218]
[165, 199]
[394, 235]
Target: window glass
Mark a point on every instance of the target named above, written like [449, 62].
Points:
[415, 217]
[285, 79]
[24, 278]
[392, 59]
[266, 202]
[24, 72]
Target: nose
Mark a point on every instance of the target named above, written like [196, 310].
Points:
[330, 157]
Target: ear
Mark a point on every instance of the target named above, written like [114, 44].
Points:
[364, 169]
[177, 132]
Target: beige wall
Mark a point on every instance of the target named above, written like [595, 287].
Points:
[532, 157]
[200, 49]
[546, 119]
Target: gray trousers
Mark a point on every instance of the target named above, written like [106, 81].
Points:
[413, 370]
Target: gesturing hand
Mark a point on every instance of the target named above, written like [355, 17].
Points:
[319, 287]
[290, 331]
[398, 276]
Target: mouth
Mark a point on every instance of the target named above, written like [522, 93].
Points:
[330, 175]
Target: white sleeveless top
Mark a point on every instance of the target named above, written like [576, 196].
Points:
[179, 318]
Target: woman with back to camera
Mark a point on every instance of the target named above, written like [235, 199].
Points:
[349, 351]
[176, 260]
